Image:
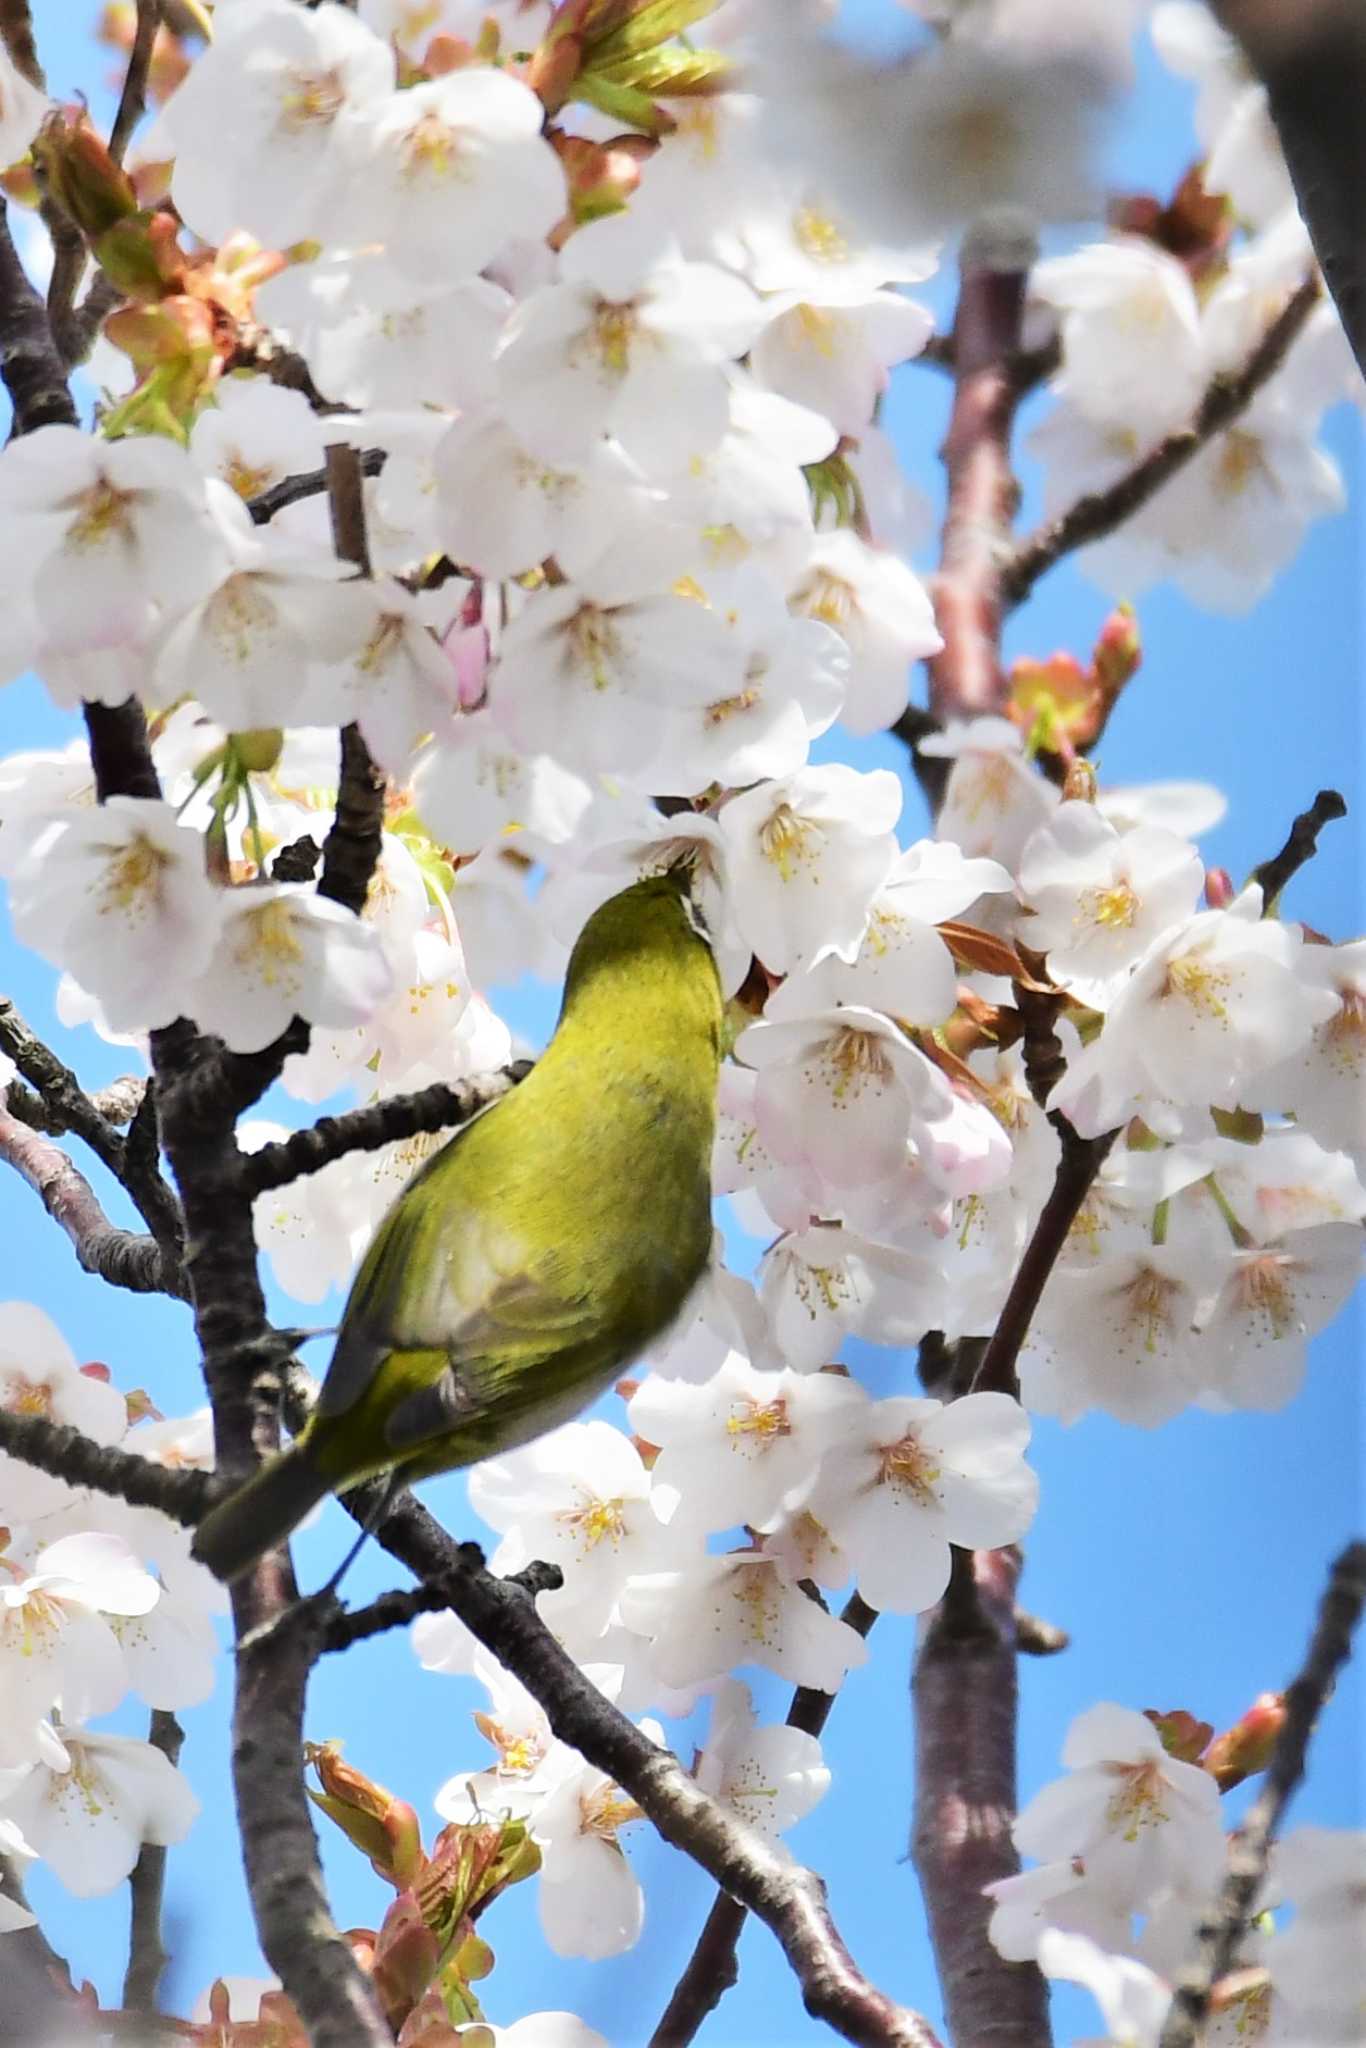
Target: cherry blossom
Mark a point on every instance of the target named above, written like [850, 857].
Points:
[771, 1777]
[908, 1477]
[743, 1445]
[631, 342]
[880, 609]
[793, 844]
[824, 1282]
[92, 1801]
[284, 951]
[1099, 897]
[454, 168]
[1140, 1819]
[740, 1608]
[39, 1376]
[1208, 1006]
[22, 108]
[273, 121]
[119, 896]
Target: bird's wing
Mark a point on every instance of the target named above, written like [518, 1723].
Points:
[480, 1312]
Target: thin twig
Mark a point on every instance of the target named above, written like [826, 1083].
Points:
[404, 1604]
[442, 1106]
[1100, 512]
[1080, 1161]
[147, 1955]
[309, 483]
[1219, 1936]
[102, 297]
[133, 99]
[117, 1104]
[54, 1447]
[1300, 847]
[121, 1257]
[63, 1096]
[351, 848]
[788, 1898]
[70, 257]
[712, 1968]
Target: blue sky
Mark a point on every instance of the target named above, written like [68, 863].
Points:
[1185, 1561]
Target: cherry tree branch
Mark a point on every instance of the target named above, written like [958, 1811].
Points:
[965, 1692]
[1219, 1936]
[966, 676]
[1100, 512]
[1312, 59]
[788, 1898]
[31, 365]
[441, 1106]
[242, 1371]
[309, 483]
[147, 1956]
[133, 98]
[121, 1257]
[712, 1969]
[1301, 845]
[117, 1104]
[16, 33]
[61, 1105]
[183, 1496]
[351, 848]
[1080, 1162]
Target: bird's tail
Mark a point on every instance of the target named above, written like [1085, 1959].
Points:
[260, 1514]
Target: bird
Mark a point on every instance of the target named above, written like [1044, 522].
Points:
[544, 1247]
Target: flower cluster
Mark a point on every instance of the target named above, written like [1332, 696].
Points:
[97, 1600]
[1134, 1833]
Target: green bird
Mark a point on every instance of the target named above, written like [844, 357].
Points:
[538, 1252]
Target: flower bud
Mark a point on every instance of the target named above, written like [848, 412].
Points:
[1246, 1747]
[80, 174]
[368, 1814]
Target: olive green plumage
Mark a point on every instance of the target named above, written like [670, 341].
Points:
[539, 1251]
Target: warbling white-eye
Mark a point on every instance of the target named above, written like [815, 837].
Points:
[538, 1252]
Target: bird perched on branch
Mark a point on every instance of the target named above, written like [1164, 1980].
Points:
[539, 1251]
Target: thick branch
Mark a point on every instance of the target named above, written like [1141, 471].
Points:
[121, 1257]
[712, 1969]
[1312, 59]
[1300, 847]
[30, 362]
[966, 677]
[440, 1107]
[241, 1366]
[16, 33]
[789, 1899]
[183, 1496]
[1100, 512]
[147, 1957]
[1219, 1937]
[965, 1693]
[133, 99]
